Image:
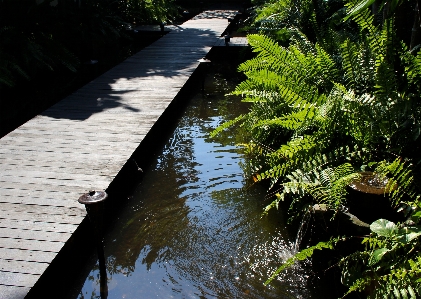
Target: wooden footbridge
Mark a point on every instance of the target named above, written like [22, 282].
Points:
[81, 144]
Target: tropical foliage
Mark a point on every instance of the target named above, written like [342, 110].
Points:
[390, 264]
[333, 96]
[49, 35]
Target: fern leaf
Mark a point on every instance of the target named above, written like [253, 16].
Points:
[226, 125]
[302, 255]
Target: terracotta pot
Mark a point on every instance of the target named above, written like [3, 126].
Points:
[369, 201]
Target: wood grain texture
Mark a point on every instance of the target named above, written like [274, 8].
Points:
[81, 143]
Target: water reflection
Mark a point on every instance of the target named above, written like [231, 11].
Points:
[195, 230]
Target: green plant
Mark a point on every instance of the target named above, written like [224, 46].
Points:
[295, 97]
[38, 36]
[390, 267]
[324, 109]
[312, 17]
[139, 11]
[308, 103]
[302, 255]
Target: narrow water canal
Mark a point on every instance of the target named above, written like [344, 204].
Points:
[194, 228]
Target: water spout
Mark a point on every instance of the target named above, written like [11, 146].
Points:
[302, 230]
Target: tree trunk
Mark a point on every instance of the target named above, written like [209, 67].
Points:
[375, 9]
[416, 30]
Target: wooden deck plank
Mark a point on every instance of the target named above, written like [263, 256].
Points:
[27, 190]
[35, 245]
[34, 152]
[42, 209]
[51, 175]
[26, 255]
[73, 135]
[76, 168]
[68, 219]
[27, 234]
[39, 226]
[52, 162]
[18, 279]
[13, 292]
[22, 267]
[56, 164]
[81, 143]
[64, 182]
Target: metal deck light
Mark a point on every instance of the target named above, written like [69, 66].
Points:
[227, 39]
[94, 205]
[206, 62]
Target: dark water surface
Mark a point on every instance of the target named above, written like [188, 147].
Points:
[194, 228]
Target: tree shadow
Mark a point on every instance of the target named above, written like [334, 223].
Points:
[154, 74]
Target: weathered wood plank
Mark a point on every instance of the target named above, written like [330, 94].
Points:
[18, 279]
[15, 233]
[19, 140]
[35, 190]
[69, 135]
[63, 202]
[39, 226]
[56, 175]
[77, 184]
[13, 292]
[26, 255]
[23, 267]
[76, 168]
[8, 215]
[43, 209]
[35, 245]
[97, 130]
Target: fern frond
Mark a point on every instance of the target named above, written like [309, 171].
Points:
[301, 42]
[399, 283]
[302, 255]
[296, 146]
[401, 181]
[290, 62]
[413, 65]
[326, 65]
[357, 64]
[292, 121]
[226, 125]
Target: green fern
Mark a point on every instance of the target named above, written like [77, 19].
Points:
[302, 255]
[226, 125]
[325, 106]
[393, 255]
[401, 183]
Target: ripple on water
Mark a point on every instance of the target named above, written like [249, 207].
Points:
[195, 229]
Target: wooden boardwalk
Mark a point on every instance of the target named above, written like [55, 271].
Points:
[81, 143]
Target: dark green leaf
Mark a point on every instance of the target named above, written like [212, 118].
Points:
[377, 255]
[407, 234]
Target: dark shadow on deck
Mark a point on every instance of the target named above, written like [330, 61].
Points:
[156, 72]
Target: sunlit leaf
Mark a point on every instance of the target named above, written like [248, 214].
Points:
[384, 228]
[359, 7]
